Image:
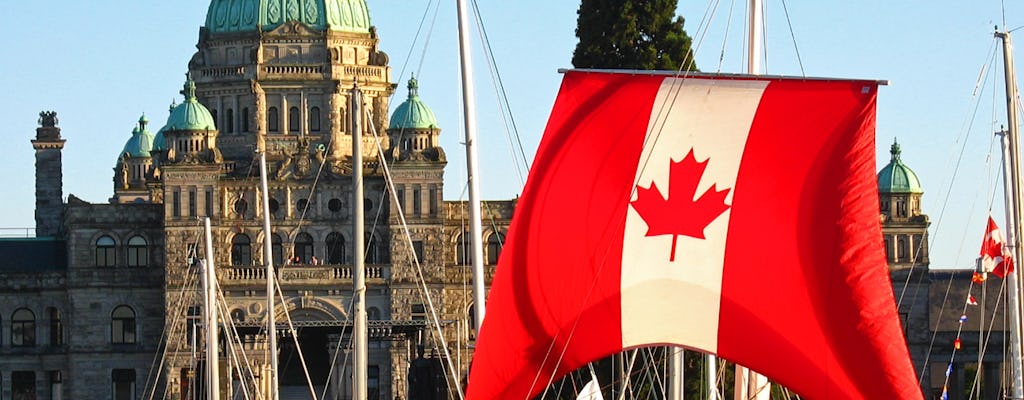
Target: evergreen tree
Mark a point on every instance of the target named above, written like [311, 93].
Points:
[632, 34]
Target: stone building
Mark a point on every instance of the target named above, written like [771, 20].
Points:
[106, 305]
[931, 302]
[102, 303]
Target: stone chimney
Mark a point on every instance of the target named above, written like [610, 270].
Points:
[49, 176]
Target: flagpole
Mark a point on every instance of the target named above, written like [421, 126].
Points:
[749, 384]
[1011, 184]
[1012, 297]
[469, 118]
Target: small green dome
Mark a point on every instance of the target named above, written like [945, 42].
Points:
[159, 141]
[897, 177]
[141, 142]
[322, 15]
[190, 115]
[413, 113]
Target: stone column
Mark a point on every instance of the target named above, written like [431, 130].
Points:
[49, 176]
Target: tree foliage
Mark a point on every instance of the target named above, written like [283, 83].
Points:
[632, 34]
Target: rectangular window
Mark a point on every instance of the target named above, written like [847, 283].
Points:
[208, 204]
[400, 191]
[417, 247]
[56, 328]
[432, 200]
[56, 385]
[123, 383]
[417, 201]
[372, 382]
[176, 204]
[192, 203]
[419, 313]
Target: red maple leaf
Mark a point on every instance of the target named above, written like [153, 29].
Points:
[679, 213]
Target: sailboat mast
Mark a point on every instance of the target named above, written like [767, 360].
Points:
[268, 260]
[359, 345]
[210, 298]
[749, 384]
[469, 118]
[1012, 191]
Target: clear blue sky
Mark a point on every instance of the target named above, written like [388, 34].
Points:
[100, 64]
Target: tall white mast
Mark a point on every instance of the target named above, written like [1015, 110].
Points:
[749, 384]
[210, 312]
[1012, 191]
[469, 116]
[268, 260]
[359, 342]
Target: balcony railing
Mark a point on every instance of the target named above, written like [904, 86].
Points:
[299, 274]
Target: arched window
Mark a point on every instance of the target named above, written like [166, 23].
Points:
[216, 121]
[293, 120]
[304, 247]
[138, 252]
[335, 248]
[241, 250]
[462, 249]
[238, 315]
[245, 119]
[105, 255]
[23, 328]
[902, 248]
[471, 322]
[373, 250]
[122, 325]
[241, 206]
[314, 119]
[277, 249]
[273, 118]
[494, 244]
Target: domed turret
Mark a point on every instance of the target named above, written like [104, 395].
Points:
[160, 141]
[897, 177]
[191, 115]
[322, 15]
[134, 165]
[413, 113]
[413, 131]
[141, 142]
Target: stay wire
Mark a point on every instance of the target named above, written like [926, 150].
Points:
[792, 34]
[965, 132]
[511, 130]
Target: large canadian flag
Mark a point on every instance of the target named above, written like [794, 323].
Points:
[733, 215]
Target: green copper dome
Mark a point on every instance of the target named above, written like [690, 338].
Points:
[159, 141]
[897, 177]
[250, 15]
[141, 142]
[190, 115]
[413, 113]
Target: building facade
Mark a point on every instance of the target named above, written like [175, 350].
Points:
[103, 303]
[111, 310]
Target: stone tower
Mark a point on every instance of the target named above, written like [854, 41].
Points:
[49, 176]
[905, 234]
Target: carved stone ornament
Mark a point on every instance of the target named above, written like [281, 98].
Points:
[48, 119]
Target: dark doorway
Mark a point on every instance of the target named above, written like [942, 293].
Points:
[23, 385]
[316, 351]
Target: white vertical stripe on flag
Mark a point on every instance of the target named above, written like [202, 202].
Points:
[713, 117]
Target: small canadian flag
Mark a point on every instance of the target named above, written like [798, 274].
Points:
[995, 257]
